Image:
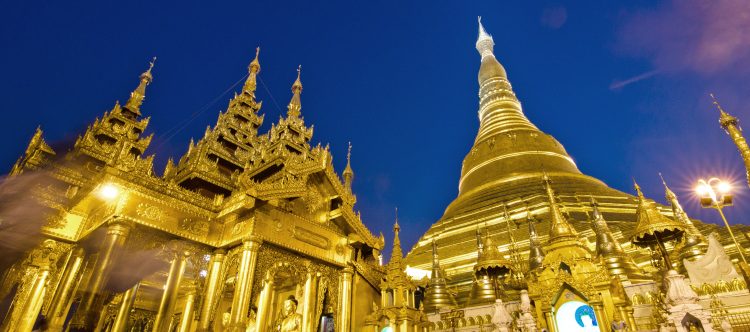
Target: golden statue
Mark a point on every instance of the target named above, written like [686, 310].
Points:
[291, 321]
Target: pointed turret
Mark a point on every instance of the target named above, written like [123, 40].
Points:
[38, 153]
[609, 250]
[694, 244]
[295, 105]
[731, 126]
[253, 69]
[536, 253]
[437, 296]
[348, 172]
[560, 229]
[136, 97]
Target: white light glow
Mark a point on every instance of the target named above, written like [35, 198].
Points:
[206, 258]
[701, 190]
[417, 274]
[109, 191]
[203, 273]
[724, 187]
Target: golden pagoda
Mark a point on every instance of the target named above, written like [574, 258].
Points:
[578, 246]
[246, 232]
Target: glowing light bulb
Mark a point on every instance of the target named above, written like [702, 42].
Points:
[109, 191]
[203, 273]
[206, 258]
[724, 187]
[701, 190]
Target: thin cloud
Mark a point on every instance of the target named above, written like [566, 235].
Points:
[701, 36]
[619, 84]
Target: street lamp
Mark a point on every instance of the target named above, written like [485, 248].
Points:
[714, 193]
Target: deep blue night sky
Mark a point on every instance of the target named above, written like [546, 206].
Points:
[624, 87]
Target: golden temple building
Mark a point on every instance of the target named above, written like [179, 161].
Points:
[247, 231]
[252, 231]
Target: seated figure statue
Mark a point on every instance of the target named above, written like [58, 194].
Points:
[291, 321]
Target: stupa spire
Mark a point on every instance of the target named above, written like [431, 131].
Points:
[731, 126]
[437, 295]
[506, 142]
[560, 229]
[536, 253]
[295, 105]
[396, 253]
[609, 250]
[136, 97]
[348, 172]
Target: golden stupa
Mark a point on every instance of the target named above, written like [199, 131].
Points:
[515, 174]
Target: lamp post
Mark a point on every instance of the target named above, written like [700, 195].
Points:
[714, 193]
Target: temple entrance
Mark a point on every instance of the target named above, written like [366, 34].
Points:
[572, 312]
[691, 323]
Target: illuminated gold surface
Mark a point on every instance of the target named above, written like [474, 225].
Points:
[201, 244]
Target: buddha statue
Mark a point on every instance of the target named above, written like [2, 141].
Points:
[291, 321]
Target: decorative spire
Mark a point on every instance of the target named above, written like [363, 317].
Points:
[560, 229]
[694, 244]
[609, 250]
[295, 105]
[536, 253]
[437, 295]
[348, 172]
[137, 96]
[253, 70]
[731, 126]
[485, 43]
[396, 253]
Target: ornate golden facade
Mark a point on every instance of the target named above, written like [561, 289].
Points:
[257, 232]
[242, 223]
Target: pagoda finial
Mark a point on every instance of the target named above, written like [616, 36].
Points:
[253, 69]
[485, 43]
[559, 228]
[295, 105]
[348, 172]
[536, 253]
[137, 96]
[609, 250]
[396, 253]
[437, 295]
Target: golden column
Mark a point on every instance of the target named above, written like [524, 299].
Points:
[310, 299]
[63, 298]
[244, 283]
[187, 310]
[30, 294]
[346, 299]
[212, 286]
[601, 315]
[88, 311]
[264, 305]
[128, 299]
[171, 289]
